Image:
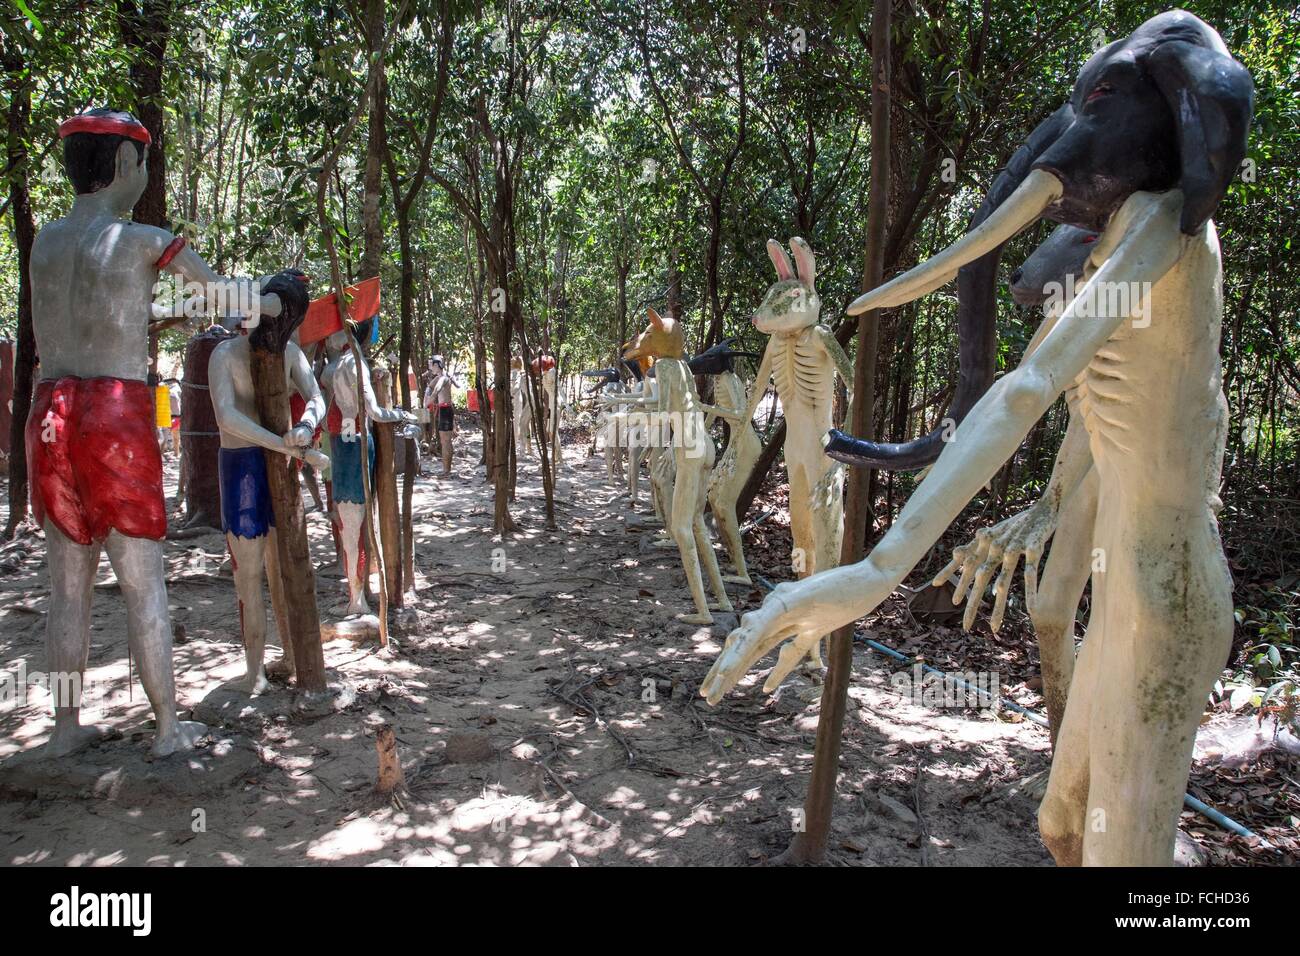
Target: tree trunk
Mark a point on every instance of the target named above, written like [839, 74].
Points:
[145, 30]
[20, 206]
[386, 497]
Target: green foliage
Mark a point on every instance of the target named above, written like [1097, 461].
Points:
[631, 117]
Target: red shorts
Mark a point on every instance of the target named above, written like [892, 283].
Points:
[92, 453]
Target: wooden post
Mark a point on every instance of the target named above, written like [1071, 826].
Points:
[368, 523]
[809, 846]
[386, 492]
[391, 779]
[299, 576]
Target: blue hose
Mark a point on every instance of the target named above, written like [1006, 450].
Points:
[1204, 809]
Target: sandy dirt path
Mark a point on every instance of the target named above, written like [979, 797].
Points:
[546, 708]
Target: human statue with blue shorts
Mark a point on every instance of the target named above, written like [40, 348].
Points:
[246, 515]
[345, 424]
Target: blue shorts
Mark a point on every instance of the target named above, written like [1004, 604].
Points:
[245, 492]
[345, 468]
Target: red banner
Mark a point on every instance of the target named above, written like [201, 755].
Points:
[323, 313]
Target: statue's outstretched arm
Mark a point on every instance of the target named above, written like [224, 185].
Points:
[1141, 245]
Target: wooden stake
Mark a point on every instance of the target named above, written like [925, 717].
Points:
[391, 778]
[386, 495]
[296, 570]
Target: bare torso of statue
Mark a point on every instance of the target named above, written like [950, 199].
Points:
[93, 277]
[232, 385]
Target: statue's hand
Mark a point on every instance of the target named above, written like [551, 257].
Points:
[300, 436]
[1027, 534]
[316, 458]
[791, 612]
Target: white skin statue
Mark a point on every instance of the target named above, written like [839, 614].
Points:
[802, 358]
[693, 454]
[550, 379]
[731, 473]
[521, 402]
[1147, 379]
[628, 431]
[93, 275]
[252, 543]
[1066, 513]
[347, 495]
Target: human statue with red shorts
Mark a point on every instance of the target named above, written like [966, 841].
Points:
[96, 470]
[246, 513]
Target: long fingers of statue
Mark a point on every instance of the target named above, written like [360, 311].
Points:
[1002, 588]
[949, 569]
[792, 652]
[1032, 556]
[982, 578]
[760, 630]
[976, 554]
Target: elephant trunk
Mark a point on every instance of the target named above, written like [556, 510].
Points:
[1017, 198]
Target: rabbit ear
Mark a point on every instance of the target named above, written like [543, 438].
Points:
[655, 319]
[803, 258]
[779, 259]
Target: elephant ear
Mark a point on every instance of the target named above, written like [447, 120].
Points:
[1212, 97]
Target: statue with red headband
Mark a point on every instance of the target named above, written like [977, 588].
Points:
[96, 471]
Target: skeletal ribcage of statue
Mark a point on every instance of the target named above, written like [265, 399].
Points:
[804, 379]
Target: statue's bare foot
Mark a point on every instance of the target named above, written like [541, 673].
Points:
[695, 618]
[664, 542]
[810, 694]
[737, 579]
[255, 684]
[70, 737]
[181, 736]
[359, 606]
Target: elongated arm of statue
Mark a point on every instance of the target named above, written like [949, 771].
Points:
[718, 411]
[230, 419]
[305, 382]
[843, 365]
[806, 610]
[376, 412]
[760, 382]
[999, 548]
[227, 295]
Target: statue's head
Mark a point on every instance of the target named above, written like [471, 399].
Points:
[664, 337]
[105, 148]
[290, 286]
